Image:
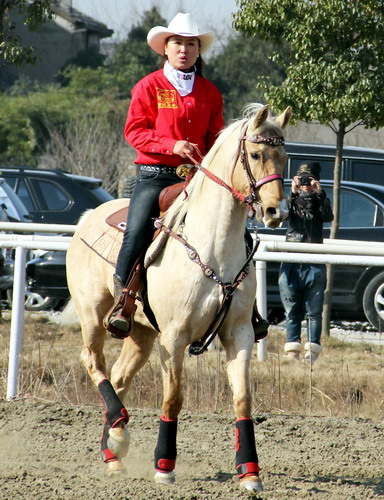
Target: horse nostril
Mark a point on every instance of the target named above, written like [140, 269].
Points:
[271, 212]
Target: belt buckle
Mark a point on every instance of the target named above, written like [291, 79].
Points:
[183, 170]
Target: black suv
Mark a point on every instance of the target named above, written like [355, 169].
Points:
[359, 164]
[11, 210]
[54, 196]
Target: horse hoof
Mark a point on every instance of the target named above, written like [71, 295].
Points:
[118, 441]
[116, 468]
[165, 477]
[251, 483]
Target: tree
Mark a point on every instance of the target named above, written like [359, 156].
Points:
[131, 60]
[334, 68]
[238, 67]
[36, 12]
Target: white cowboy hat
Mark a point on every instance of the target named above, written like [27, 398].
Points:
[182, 25]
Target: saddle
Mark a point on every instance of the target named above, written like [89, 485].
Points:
[117, 220]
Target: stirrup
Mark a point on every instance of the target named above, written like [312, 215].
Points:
[114, 313]
[260, 328]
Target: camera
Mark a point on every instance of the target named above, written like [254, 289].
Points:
[305, 181]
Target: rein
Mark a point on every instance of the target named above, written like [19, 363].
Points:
[250, 199]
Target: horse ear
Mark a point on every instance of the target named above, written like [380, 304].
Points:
[283, 119]
[260, 117]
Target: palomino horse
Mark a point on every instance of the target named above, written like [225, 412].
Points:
[186, 284]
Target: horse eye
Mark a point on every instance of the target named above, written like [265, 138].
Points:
[255, 156]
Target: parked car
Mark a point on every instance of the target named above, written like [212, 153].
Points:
[358, 291]
[52, 197]
[55, 196]
[359, 164]
[11, 210]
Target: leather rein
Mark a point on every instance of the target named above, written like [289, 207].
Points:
[228, 288]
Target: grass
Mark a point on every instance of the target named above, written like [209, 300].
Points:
[347, 380]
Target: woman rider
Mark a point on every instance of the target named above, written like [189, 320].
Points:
[174, 112]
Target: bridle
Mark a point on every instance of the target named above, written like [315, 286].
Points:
[254, 184]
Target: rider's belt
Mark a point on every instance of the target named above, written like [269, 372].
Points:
[158, 169]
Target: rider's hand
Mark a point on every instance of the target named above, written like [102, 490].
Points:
[182, 148]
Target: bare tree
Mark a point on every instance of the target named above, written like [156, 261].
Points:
[90, 145]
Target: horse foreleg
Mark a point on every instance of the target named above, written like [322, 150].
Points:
[166, 450]
[134, 354]
[238, 363]
[115, 436]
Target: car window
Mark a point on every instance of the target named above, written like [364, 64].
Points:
[356, 210]
[23, 192]
[366, 170]
[51, 196]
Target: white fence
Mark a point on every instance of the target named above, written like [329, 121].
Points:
[271, 249]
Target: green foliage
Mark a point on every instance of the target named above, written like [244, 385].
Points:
[23, 120]
[334, 64]
[131, 61]
[237, 70]
[36, 13]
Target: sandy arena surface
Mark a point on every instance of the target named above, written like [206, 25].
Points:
[51, 451]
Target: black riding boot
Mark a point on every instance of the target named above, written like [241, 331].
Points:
[117, 320]
[260, 325]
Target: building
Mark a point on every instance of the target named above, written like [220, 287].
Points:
[57, 42]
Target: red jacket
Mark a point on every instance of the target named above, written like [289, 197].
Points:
[158, 117]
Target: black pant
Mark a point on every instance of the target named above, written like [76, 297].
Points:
[143, 209]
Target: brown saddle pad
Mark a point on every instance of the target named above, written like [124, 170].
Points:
[118, 219]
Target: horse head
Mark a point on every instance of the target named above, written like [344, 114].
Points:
[262, 156]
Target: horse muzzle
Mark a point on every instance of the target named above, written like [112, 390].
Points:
[272, 216]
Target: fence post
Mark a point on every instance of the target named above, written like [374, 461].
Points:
[17, 321]
[261, 298]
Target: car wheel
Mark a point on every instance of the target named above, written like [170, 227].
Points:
[129, 187]
[36, 302]
[373, 302]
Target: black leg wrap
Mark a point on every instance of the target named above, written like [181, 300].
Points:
[246, 456]
[114, 409]
[165, 452]
[114, 413]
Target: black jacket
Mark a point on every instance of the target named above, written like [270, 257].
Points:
[307, 213]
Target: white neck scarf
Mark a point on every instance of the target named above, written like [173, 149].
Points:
[183, 82]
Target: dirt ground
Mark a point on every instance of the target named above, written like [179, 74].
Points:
[51, 451]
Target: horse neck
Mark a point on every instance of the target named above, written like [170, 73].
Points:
[216, 220]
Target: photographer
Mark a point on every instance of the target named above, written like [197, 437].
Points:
[302, 285]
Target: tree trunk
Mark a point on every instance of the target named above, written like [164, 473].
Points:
[340, 134]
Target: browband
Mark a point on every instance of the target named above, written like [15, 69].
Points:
[271, 141]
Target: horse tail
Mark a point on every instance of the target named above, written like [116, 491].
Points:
[85, 216]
